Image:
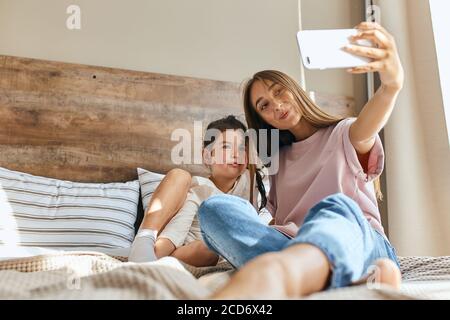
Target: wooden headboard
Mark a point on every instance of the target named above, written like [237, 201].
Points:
[88, 123]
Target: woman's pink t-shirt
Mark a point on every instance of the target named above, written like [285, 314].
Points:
[321, 165]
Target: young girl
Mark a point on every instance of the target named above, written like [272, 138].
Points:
[226, 155]
[326, 230]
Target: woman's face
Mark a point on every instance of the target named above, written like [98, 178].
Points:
[274, 104]
[228, 156]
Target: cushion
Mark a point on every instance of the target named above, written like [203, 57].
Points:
[43, 212]
[148, 181]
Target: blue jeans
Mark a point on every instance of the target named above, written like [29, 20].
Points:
[336, 225]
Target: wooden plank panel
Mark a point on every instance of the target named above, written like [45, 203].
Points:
[87, 123]
[336, 105]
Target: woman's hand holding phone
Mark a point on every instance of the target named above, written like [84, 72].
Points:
[385, 56]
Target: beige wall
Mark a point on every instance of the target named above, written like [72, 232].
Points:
[215, 39]
[417, 150]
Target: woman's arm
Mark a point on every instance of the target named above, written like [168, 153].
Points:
[196, 254]
[386, 62]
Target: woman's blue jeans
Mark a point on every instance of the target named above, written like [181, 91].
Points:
[336, 225]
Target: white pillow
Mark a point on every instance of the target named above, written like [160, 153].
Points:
[43, 212]
[148, 181]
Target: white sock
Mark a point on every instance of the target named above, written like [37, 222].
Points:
[143, 247]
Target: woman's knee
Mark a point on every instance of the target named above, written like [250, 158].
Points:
[341, 204]
[339, 198]
[220, 210]
[337, 205]
[212, 208]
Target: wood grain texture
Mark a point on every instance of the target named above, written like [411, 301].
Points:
[96, 124]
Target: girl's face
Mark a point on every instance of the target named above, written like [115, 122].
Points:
[274, 104]
[228, 156]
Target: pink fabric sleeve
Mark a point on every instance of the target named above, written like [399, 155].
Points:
[376, 155]
[271, 205]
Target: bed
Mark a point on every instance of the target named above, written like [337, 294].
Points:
[95, 124]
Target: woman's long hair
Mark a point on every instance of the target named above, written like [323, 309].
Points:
[232, 123]
[304, 105]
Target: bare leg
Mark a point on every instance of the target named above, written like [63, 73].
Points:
[167, 200]
[294, 272]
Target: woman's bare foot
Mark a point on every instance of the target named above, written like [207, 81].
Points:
[383, 271]
[389, 273]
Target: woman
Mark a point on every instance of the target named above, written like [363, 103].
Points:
[326, 230]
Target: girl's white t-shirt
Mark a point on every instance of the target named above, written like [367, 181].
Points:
[184, 226]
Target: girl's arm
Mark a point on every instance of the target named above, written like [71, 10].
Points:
[164, 247]
[386, 62]
[196, 254]
[175, 232]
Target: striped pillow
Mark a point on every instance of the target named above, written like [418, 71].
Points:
[149, 181]
[43, 212]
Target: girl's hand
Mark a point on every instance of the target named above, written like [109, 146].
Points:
[197, 254]
[385, 56]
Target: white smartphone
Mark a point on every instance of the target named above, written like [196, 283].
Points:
[322, 49]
